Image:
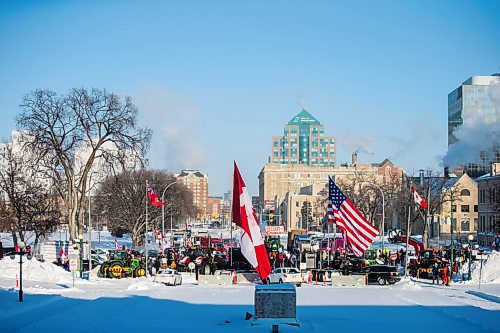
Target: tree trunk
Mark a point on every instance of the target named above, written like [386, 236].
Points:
[425, 235]
[14, 237]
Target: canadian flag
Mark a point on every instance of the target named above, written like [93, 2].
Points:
[252, 244]
[418, 199]
[155, 201]
[116, 244]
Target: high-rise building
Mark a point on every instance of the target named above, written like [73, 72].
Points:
[304, 142]
[197, 183]
[474, 109]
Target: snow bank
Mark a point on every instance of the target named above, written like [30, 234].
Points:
[34, 270]
[143, 285]
[490, 273]
[409, 285]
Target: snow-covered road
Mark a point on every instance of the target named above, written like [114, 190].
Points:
[52, 303]
[140, 304]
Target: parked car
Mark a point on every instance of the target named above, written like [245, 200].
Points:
[285, 275]
[382, 274]
[99, 255]
[169, 277]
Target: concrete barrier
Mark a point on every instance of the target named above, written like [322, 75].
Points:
[275, 301]
[349, 281]
[247, 277]
[215, 280]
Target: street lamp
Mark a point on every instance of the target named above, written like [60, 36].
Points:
[21, 245]
[163, 213]
[383, 215]
[80, 240]
[470, 238]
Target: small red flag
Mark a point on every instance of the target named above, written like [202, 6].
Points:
[155, 201]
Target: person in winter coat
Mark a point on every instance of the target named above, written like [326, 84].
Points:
[435, 273]
[444, 275]
[448, 275]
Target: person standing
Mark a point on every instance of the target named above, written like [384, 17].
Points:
[444, 275]
[448, 275]
[435, 273]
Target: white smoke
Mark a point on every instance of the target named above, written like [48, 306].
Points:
[302, 101]
[358, 143]
[174, 121]
[479, 136]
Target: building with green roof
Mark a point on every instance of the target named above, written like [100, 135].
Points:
[304, 142]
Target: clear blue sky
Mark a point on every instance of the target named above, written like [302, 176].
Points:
[216, 80]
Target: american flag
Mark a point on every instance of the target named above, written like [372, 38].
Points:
[358, 232]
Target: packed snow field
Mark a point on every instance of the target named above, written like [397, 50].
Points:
[51, 302]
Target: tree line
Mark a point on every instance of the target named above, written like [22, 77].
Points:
[65, 142]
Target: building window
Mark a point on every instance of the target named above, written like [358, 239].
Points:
[465, 208]
[465, 225]
[465, 193]
[475, 209]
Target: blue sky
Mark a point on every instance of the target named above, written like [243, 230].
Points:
[215, 80]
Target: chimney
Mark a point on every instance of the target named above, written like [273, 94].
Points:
[354, 158]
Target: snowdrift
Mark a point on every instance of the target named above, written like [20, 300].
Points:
[34, 270]
[490, 273]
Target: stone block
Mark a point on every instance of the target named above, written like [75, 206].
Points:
[275, 301]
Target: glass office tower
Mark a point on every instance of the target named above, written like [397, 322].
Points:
[304, 142]
[474, 103]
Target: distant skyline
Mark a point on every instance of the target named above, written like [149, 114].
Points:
[215, 80]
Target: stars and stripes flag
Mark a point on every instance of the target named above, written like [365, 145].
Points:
[252, 243]
[417, 198]
[358, 232]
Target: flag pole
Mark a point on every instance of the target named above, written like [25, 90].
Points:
[146, 233]
[428, 219]
[408, 230]
[231, 221]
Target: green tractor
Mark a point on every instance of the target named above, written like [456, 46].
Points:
[370, 255]
[121, 264]
[273, 244]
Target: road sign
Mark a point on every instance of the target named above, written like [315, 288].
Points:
[274, 230]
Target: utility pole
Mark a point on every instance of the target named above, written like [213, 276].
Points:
[146, 233]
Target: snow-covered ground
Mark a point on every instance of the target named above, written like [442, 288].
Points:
[52, 303]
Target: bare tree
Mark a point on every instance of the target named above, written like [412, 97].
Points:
[435, 190]
[27, 202]
[70, 133]
[361, 190]
[121, 201]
